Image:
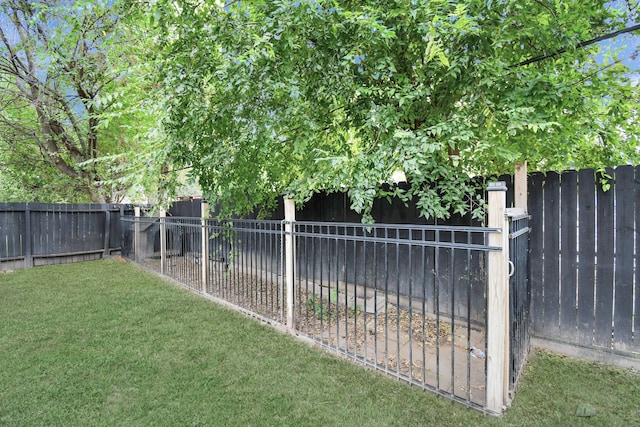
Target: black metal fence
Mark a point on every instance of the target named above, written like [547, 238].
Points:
[519, 296]
[34, 234]
[408, 300]
[239, 262]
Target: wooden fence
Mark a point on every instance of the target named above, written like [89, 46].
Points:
[33, 234]
[584, 253]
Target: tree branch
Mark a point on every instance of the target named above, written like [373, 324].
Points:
[578, 46]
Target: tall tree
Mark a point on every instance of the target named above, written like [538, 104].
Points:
[62, 67]
[303, 96]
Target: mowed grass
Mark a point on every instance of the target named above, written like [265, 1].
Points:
[105, 343]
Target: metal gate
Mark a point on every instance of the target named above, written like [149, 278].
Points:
[519, 296]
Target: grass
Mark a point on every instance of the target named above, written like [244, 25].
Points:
[105, 343]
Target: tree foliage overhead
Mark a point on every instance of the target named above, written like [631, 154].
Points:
[302, 96]
[63, 70]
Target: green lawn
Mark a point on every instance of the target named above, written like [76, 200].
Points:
[105, 343]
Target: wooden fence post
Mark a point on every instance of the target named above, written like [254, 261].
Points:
[497, 300]
[136, 234]
[204, 216]
[520, 186]
[163, 241]
[289, 218]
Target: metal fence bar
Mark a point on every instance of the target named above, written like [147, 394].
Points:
[204, 247]
[520, 296]
[352, 299]
[163, 241]
[450, 245]
[436, 292]
[401, 299]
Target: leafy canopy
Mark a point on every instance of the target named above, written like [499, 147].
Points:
[302, 96]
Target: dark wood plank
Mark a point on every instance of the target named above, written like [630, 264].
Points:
[78, 223]
[444, 281]
[568, 260]
[68, 243]
[624, 206]
[51, 225]
[508, 181]
[536, 247]
[478, 287]
[12, 233]
[477, 277]
[38, 230]
[428, 290]
[114, 228]
[28, 237]
[6, 245]
[61, 243]
[604, 267]
[551, 263]
[586, 255]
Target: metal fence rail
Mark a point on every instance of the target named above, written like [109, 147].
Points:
[237, 261]
[402, 299]
[246, 266]
[409, 300]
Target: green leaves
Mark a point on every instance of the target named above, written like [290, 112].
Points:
[305, 96]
